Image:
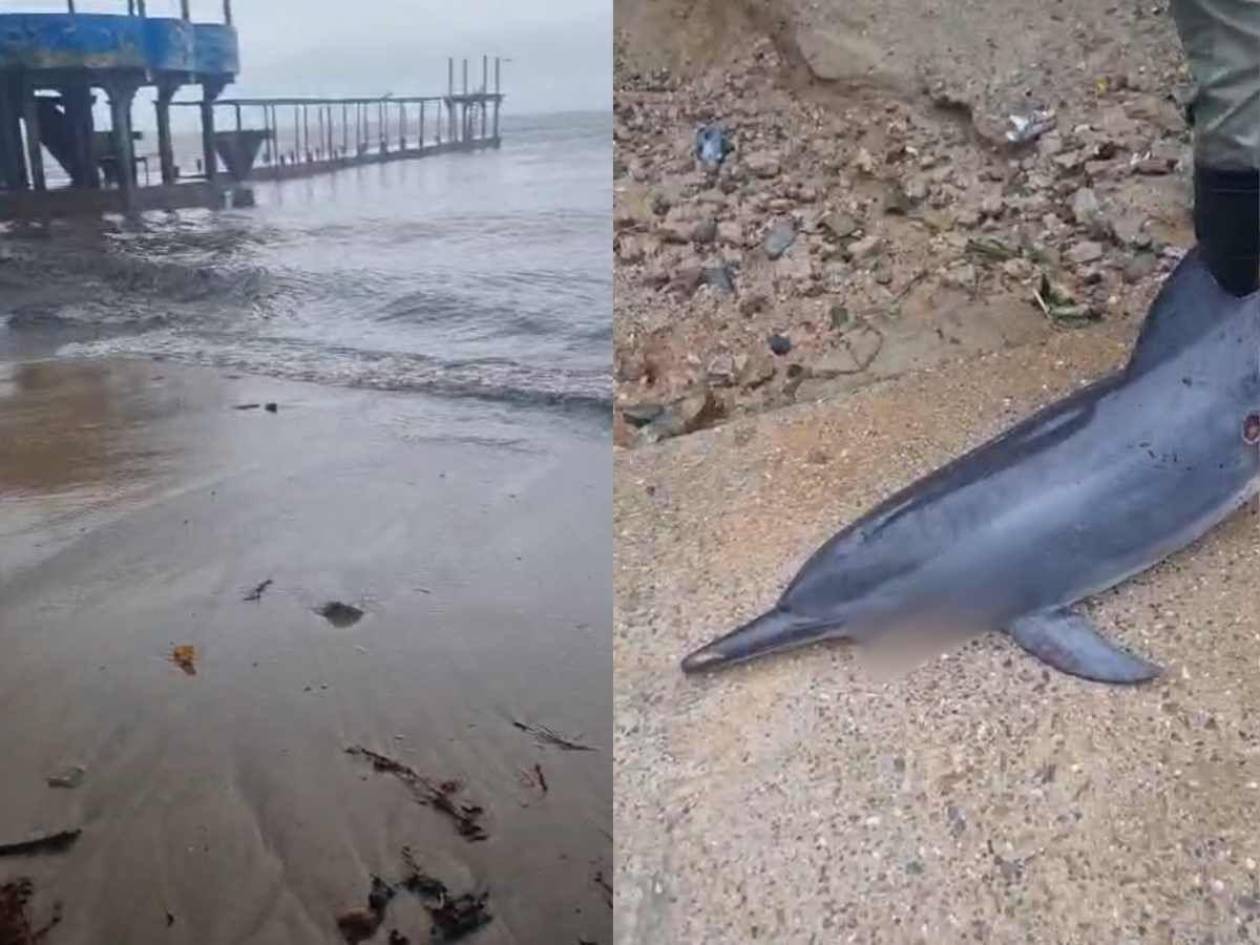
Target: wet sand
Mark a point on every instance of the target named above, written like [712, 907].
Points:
[976, 797]
[138, 509]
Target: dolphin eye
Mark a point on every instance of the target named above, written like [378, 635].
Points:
[1251, 429]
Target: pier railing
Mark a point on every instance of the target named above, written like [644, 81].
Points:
[274, 138]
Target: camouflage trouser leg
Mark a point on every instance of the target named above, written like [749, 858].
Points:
[1221, 39]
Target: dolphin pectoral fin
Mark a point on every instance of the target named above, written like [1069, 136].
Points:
[1069, 642]
[775, 630]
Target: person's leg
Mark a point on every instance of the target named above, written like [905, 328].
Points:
[1221, 39]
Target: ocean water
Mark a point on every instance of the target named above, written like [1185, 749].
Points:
[482, 276]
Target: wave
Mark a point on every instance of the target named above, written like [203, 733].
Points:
[497, 379]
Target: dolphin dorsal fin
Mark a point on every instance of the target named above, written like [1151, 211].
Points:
[1189, 304]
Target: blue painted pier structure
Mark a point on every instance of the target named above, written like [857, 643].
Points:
[54, 65]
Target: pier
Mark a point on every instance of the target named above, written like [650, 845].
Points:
[54, 65]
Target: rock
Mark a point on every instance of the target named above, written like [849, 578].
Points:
[865, 248]
[641, 414]
[752, 304]
[1130, 230]
[705, 231]
[840, 317]
[730, 233]
[686, 280]
[967, 217]
[896, 201]
[70, 777]
[961, 277]
[632, 365]
[915, 189]
[1085, 251]
[1018, 268]
[721, 370]
[630, 249]
[796, 266]
[358, 925]
[753, 372]
[991, 207]
[864, 162]
[720, 279]
[1140, 266]
[687, 415]
[840, 225]
[781, 236]
[763, 164]
[339, 614]
[674, 231]
[780, 344]
[1153, 167]
[1086, 210]
[656, 277]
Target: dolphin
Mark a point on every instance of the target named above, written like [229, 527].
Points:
[1075, 499]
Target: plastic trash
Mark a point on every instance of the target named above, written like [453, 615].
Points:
[1030, 126]
[712, 145]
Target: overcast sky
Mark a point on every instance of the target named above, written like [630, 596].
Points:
[561, 50]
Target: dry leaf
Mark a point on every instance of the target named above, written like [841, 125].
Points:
[185, 657]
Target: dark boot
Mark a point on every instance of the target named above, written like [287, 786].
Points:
[1227, 224]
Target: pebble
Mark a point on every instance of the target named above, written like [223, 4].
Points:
[865, 247]
[1085, 251]
[70, 777]
[781, 236]
[780, 344]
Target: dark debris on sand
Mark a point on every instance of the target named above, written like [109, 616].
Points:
[15, 920]
[453, 917]
[429, 792]
[256, 594]
[340, 615]
[549, 736]
[52, 843]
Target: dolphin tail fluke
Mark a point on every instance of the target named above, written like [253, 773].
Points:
[774, 630]
[1069, 642]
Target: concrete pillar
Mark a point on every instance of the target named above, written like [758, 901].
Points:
[120, 98]
[322, 139]
[306, 132]
[422, 125]
[12, 155]
[184, 13]
[209, 156]
[166, 151]
[34, 150]
[465, 129]
[497, 97]
[402, 126]
[345, 128]
[77, 102]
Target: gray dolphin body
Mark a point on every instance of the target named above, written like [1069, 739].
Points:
[1075, 499]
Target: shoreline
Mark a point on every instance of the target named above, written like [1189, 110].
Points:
[139, 510]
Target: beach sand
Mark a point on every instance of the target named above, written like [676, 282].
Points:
[975, 797]
[138, 509]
